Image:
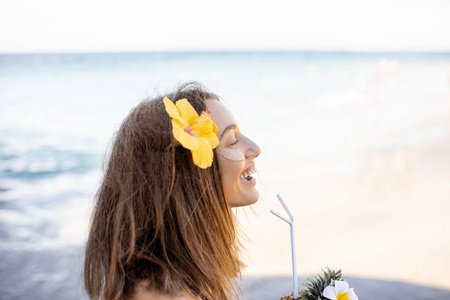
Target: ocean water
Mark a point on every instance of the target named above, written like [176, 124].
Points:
[58, 113]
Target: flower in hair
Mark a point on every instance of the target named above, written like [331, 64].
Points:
[193, 132]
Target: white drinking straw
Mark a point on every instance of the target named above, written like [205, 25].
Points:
[294, 262]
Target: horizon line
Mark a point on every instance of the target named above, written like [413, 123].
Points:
[437, 52]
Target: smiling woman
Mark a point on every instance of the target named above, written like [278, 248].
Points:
[236, 153]
[162, 227]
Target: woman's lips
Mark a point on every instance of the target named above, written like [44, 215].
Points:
[250, 168]
[247, 178]
[248, 173]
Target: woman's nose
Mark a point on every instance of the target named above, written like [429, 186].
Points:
[253, 150]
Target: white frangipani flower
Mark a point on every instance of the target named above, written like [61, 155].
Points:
[340, 291]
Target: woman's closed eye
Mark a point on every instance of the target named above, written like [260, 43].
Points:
[234, 144]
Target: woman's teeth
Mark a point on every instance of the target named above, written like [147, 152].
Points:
[247, 175]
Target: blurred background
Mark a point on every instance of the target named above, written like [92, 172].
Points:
[348, 100]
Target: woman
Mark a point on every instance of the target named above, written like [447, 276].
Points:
[162, 226]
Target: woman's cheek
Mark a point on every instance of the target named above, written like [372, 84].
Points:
[232, 154]
[231, 165]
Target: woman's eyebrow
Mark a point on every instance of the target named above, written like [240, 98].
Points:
[229, 127]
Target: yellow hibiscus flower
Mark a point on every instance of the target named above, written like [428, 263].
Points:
[193, 132]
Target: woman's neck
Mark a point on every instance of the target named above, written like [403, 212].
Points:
[142, 294]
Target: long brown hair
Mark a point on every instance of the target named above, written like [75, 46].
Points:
[160, 222]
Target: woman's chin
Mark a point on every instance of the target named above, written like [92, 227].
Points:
[254, 198]
[248, 198]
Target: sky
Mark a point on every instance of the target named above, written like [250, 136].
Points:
[208, 25]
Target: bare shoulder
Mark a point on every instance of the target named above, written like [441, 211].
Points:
[153, 295]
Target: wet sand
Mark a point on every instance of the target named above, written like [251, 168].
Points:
[260, 288]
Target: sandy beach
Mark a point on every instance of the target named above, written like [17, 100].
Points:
[378, 207]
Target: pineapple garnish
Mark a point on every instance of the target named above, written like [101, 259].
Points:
[314, 287]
